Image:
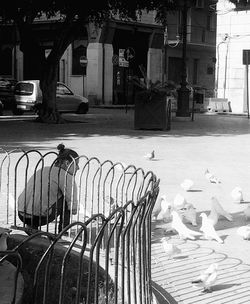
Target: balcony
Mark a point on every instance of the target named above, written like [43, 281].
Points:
[195, 35]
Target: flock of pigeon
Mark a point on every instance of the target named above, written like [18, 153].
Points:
[180, 212]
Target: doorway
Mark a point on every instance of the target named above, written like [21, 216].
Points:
[123, 89]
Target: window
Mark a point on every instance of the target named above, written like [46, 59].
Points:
[211, 23]
[195, 71]
[199, 4]
[174, 69]
[62, 90]
[24, 88]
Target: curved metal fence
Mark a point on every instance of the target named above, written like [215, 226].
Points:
[103, 255]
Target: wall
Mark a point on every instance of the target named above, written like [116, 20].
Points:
[233, 35]
[154, 64]
[94, 70]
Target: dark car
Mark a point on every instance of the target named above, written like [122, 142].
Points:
[7, 86]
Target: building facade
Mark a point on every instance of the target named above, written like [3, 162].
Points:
[233, 37]
[100, 64]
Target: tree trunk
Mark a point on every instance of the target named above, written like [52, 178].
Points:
[47, 111]
[47, 68]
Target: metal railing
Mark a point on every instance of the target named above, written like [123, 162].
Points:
[105, 256]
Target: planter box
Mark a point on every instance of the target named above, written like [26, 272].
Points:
[151, 111]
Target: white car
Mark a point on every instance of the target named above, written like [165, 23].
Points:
[28, 95]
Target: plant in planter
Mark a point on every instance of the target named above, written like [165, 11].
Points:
[152, 109]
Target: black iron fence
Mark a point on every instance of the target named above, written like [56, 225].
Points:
[103, 254]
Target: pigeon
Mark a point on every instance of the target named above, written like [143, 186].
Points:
[247, 212]
[208, 229]
[179, 202]
[187, 184]
[189, 214]
[207, 278]
[109, 205]
[165, 211]
[244, 231]
[3, 241]
[211, 178]
[150, 156]
[183, 231]
[120, 166]
[217, 211]
[237, 195]
[170, 249]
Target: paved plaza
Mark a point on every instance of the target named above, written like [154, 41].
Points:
[216, 142]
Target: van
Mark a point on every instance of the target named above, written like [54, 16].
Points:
[28, 94]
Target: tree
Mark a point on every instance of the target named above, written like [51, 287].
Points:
[70, 17]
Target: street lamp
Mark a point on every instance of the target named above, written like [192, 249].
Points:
[183, 91]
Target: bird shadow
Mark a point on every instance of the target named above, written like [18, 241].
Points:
[243, 202]
[156, 159]
[202, 238]
[181, 257]
[224, 286]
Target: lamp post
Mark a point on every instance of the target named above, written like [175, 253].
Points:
[224, 40]
[183, 91]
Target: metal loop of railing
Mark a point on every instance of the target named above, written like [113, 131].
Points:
[102, 254]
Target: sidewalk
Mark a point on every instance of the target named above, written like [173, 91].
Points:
[217, 142]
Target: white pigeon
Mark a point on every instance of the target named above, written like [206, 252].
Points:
[208, 229]
[237, 195]
[247, 212]
[179, 201]
[150, 155]
[244, 232]
[183, 231]
[165, 211]
[3, 241]
[207, 278]
[170, 249]
[211, 177]
[187, 184]
[217, 210]
[121, 166]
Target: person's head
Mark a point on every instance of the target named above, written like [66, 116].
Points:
[65, 158]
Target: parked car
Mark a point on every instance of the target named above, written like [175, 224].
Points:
[7, 92]
[28, 95]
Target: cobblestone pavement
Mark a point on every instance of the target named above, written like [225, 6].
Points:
[217, 142]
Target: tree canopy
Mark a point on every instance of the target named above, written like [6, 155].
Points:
[70, 16]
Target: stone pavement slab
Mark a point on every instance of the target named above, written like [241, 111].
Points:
[175, 274]
[219, 143]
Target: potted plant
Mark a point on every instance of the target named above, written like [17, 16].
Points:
[152, 109]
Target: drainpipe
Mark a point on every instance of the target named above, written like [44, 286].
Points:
[103, 72]
[225, 75]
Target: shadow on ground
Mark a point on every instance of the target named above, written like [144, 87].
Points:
[111, 122]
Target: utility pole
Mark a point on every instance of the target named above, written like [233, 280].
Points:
[183, 92]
